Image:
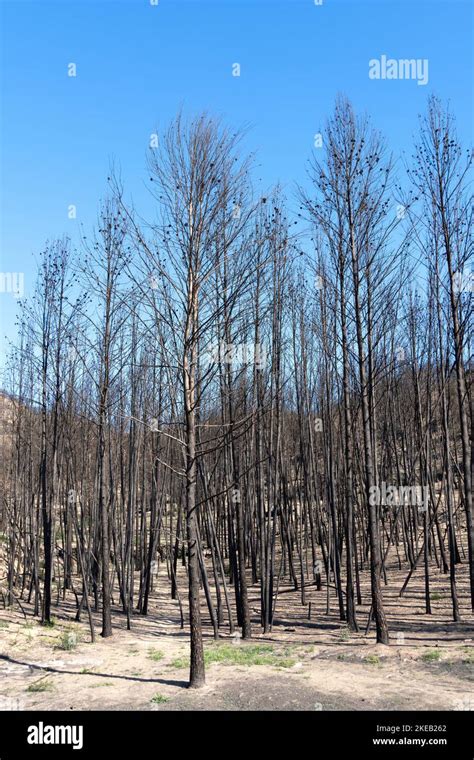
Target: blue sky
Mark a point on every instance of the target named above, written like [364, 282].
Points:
[138, 63]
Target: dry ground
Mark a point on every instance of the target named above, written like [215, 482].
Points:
[303, 664]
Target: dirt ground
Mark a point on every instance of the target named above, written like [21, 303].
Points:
[316, 664]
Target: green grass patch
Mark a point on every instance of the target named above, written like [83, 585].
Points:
[248, 655]
[155, 654]
[159, 699]
[372, 659]
[434, 655]
[41, 685]
[240, 654]
[180, 663]
[436, 596]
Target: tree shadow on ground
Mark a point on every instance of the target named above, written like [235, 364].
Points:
[49, 669]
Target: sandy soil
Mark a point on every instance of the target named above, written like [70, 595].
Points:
[428, 666]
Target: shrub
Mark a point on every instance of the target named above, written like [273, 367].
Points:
[68, 641]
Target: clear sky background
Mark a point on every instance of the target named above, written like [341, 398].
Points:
[138, 63]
